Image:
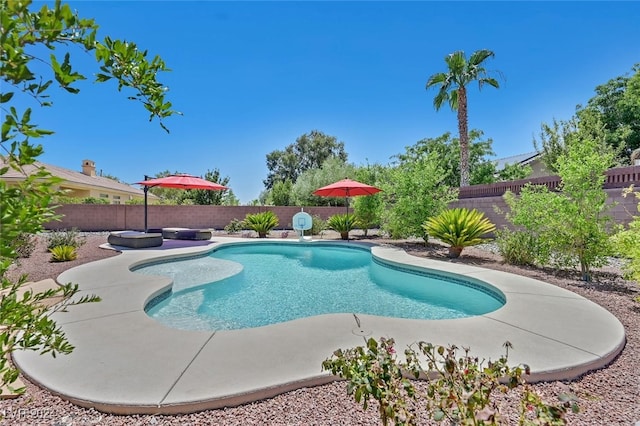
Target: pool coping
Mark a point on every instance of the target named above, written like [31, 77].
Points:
[127, 363]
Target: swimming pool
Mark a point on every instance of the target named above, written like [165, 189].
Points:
[256, 284]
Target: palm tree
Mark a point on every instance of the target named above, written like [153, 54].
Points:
[453, 89]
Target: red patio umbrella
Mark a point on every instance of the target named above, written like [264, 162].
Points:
[179, 181]
[346, 188]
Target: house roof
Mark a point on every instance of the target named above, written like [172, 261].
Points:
[522, 159]
[74, 177]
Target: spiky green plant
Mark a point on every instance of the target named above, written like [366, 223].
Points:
[459, 228]
[63, 253]
[262, 223]
[342, 223]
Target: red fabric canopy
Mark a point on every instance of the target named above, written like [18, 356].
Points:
[346, 188]
[182, 182]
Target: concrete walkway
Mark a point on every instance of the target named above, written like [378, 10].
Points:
[125, 362]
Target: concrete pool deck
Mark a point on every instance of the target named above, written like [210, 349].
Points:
[125, 362]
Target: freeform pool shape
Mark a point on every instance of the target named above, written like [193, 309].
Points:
[125, 362]
[278, 282]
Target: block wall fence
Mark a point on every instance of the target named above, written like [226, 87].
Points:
[486, 198]
[118, 217]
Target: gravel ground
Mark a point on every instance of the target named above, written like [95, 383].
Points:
[610, 396]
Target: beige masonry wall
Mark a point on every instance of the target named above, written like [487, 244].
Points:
[102, 217]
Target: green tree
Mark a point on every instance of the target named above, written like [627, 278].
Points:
[206, 197]
[617, 104]
[571, 222]
[309, 151]
[368, 209]
[24, 322]
[513, 172]
[412, 192]
[481, 167]
[332, 170]
[453, 90]
[280, 194]
[230, 199]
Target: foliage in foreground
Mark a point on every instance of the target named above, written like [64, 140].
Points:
[459, 389]
[25, 321]
[262, 222]
[459, 227]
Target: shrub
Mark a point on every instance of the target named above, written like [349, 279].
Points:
[65, 238]
[262, 223]
[627, 243]
[518, 247]
[342, 223]
[460, 388]
[234, 226]
[25, 244]
[318, 225]
[63, 253]
[459, 228]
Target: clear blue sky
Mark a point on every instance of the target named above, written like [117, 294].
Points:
[252, 77]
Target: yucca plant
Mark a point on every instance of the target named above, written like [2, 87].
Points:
[342, 223]
[63, 253]
[262, 223]
[459, 228]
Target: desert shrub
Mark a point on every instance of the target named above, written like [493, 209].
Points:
[234, 226]
[461, 389]
[25, 244]
[459, 228]
[262, 223]
[518, 247]
[318, 225]
[63, 253]
[572, 220]
[627, 243]
[342, 223]
[65, 238]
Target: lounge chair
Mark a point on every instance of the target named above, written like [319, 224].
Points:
[186, 234]
[134, 239]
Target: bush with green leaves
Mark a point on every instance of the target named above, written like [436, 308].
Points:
[627, 243]
[460, 389]
[519, 247]
[71, 237]
[63, 253]
[412, 191]
[262, 222]
[234, 226]
[572, 220]
[318, 225]
[25, 244]
[343, 223]
[459, 227]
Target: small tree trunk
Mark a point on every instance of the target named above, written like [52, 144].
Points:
[586, 273]
[454, 252]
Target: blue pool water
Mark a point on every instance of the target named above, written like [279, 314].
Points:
[276, 282]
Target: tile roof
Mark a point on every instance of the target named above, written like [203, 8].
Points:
[516, 159]
[74, 177]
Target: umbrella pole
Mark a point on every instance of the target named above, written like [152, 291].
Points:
[346, 202]
[146, 190]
